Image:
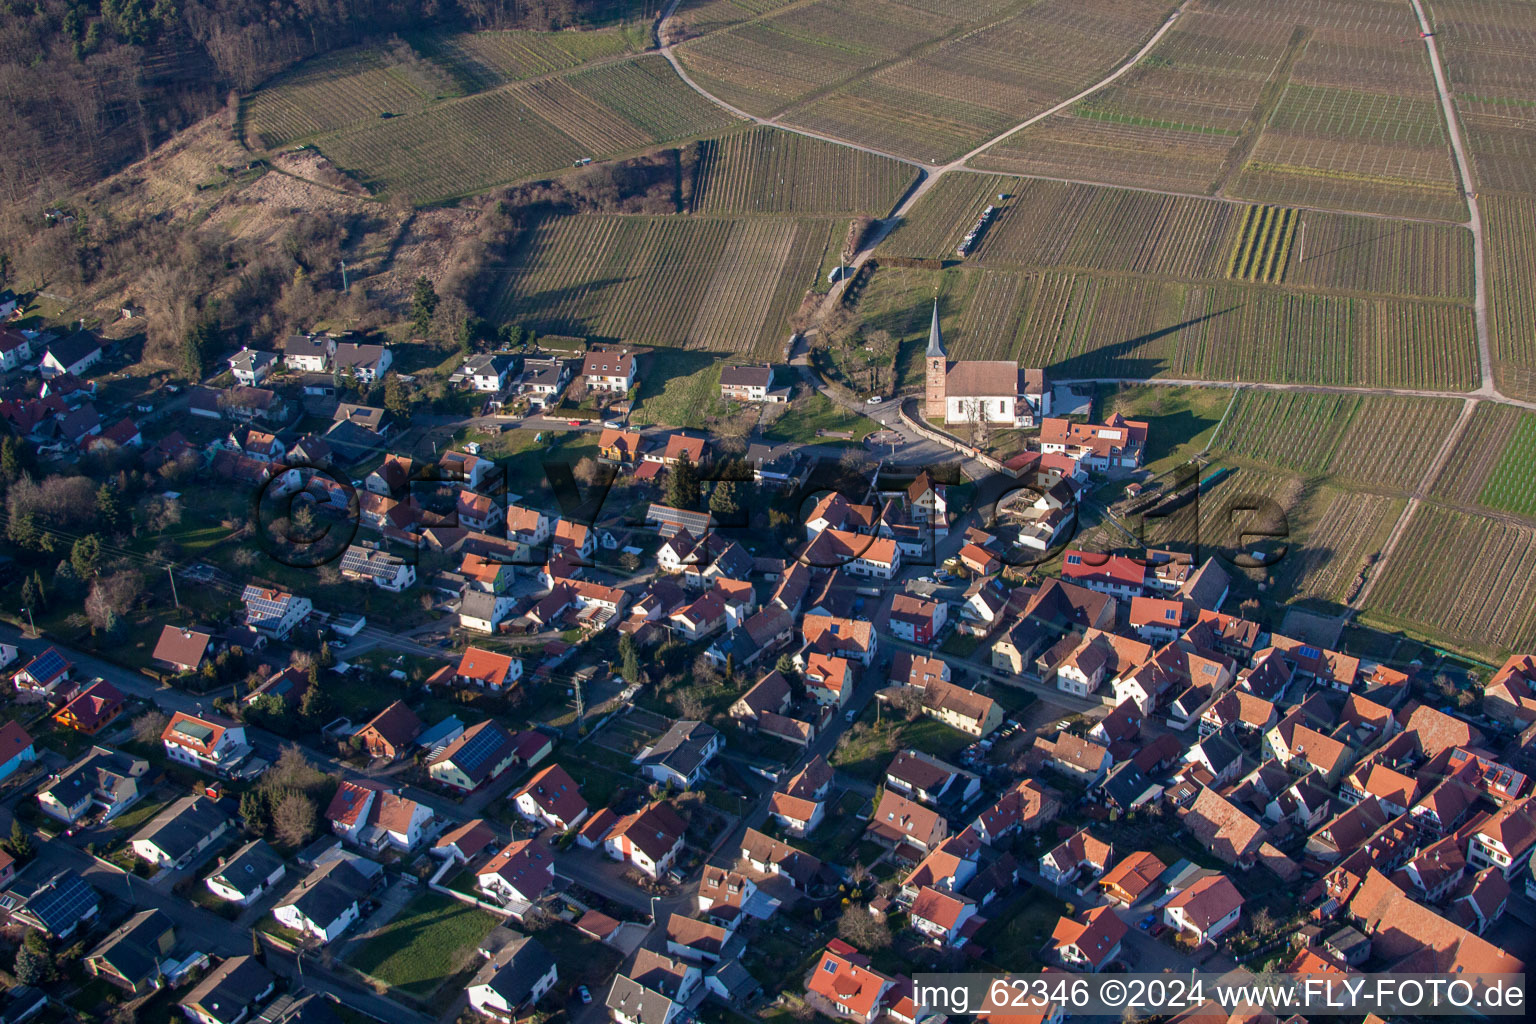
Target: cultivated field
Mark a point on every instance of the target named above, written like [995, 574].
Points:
[945, 100]
[1462, 575]
[1491, 464]
[339, 89]
[696, 17]
[484, 60]
[471, 144]
[720, 284]
[1487, 49]
[1174, 121]
[1365, 439]
[1055, 224]
[765, 65]
[1263, 247]
[1511, 255]
[766, 170]
[1349, 528]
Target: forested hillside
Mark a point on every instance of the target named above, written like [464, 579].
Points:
[89, 85]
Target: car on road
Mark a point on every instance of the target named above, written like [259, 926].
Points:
[1148, 921]
[925, 579]
[873, 400]
[850, 716]
[573, 423]
[614, 424]
[584, 993]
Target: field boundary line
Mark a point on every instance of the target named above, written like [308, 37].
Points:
[1211, 443]
[1270, 96]
[1464, 171]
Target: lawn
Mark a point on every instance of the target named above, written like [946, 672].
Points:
[430, 940]
[839, 830]
[680, 388]
[810, 415]
[1181, 420]
[134, 817]
[1012, 941]
[866, 749]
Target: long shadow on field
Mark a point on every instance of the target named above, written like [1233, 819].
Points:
[1113, 361]
[536, 310]
[1350, 245]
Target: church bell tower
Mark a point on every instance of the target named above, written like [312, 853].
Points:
[938, 366]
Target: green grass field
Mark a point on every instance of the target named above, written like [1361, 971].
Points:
[812, 415]
[1511, 487]
[431, 939]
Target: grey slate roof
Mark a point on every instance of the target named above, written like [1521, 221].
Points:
[249, 867]
[178, 833]
[231, 988]
[515, 969]
[637, 1002]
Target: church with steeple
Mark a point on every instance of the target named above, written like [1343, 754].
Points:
[982, 390]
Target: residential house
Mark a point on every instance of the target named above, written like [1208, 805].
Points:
[1132, 878]
[1205, 909]
[610, 369]
[915, 619]
[655, 991]
[212, 743]
[176, 836]
[487, 371]
[1221, 827]
[828, 679]
[251, 366]
[519, 975]
[845, 985]
[104, 779]
[1092, 942]
[771, 693]
[901, 823]
[58, 907]
[746, 383]
[544, 379]
[1505, 840]
[520, 874]
[231, 993]
[16, 749]
[181, 649]
[1027, 807]
[1510, 696]
[484, 612]
[924, 777]
[366, 363]
[391, 732]
[247, 874]
[966, 710]
[274, 612]
[73, 354]
[384, 570]
[769, 856]
[1076, 757]
[724, 894]
[649, 839]
[130, 957]
[308, 353]
[553, 798]
[797, 805]
[479, 755]
[488, 670]
[328, 900]
[1080, 854]
[43, 674]
[89, 711]
[1118, 443]
[680, 755]
[946, 917]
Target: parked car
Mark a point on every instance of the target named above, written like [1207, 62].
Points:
[1148, 921]
[873, 400]
[584, 993]
[614, 424]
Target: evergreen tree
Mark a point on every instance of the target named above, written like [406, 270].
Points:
[32, 967]
[396, 398]
[84, 555]
[253, 810]
[201, 341]
[630, 661]
[683, 484]
[730, 666]
[725, 500]
[423, 305]
[785, 665]
[109, 507]
[10, 460]
[38, 590]
[20, 842]
[316, 706]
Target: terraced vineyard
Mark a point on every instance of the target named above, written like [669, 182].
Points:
[1169, 123]
[1263, 247]
[719, 284]
[1461, 575]
[1510, 254]
[343, 88]
[1228, 517]
[767, 170]
[1351, 527]
[1361, 438]
[484, 60]
[945, 100]
[472, 144]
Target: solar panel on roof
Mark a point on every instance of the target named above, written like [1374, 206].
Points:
[66, 899]
[480, 746]
[1310, 652]
[47, 665]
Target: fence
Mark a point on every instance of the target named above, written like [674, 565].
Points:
[927, 432]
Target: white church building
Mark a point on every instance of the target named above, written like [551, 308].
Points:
[982, 390]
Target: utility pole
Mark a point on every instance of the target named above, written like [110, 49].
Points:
[581, 706]
[172, 574]
[344, 286]
[1301, 239]
[31, 626]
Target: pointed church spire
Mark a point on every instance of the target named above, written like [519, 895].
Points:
[935, 336]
